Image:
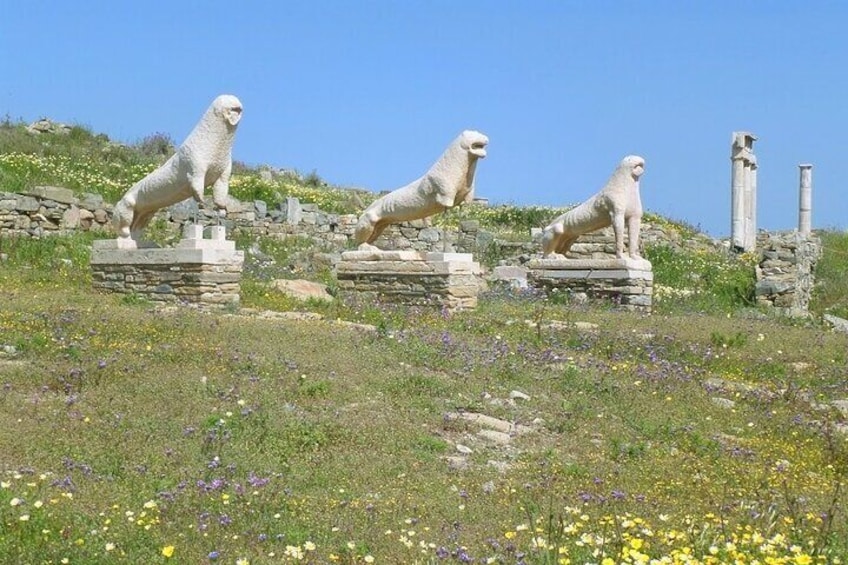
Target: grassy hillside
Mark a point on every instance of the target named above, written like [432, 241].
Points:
[708, 432]
[87, 162]
[135, 434]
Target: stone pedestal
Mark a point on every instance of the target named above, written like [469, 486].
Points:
[197, 270]
[408, 277]
[628, 283]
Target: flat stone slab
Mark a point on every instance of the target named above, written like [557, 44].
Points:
[494, 436]
[459, 257]
[222, 244]
[488, 422]
[56, 193]
[302, 289]
[120, 243]
[350, 264]
[380, 255]
[106, 255]
[592, 268]
[591, 264]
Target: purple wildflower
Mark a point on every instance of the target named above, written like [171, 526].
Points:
[256, 481]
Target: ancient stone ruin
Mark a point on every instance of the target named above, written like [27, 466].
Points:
[626, 281]
[197, 269]
[447, 280]
[743, 192]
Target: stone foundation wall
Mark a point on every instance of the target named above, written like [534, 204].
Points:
[196, 283]
[623, 283]
[785, 273]
[50, 210]
[197, 270]
[55, 210]
[443, 280]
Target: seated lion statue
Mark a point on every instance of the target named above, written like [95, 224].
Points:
[204, 158]
[618, 203]
[448, 183]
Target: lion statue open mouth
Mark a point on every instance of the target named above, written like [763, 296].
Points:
[204, 158]
[448, 183]
[617, 204]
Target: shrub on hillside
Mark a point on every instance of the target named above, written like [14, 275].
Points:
[830, 295]
[701, 280]
[156, 146]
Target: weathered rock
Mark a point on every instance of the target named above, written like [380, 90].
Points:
[27, 204]
[839, 324]
[723, 402]
[842, 406]
[55, 193]
[494, 436]
[302, 289]
[457, 463]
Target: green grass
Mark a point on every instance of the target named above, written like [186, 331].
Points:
[701, 280]
[831, 292]
[130, 432]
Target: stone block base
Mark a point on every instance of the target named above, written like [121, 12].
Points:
[627, 283]
[197, 270]
[446, 280]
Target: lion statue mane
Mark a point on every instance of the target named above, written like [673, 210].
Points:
[204, 158]
[448, 183]
[618, 203]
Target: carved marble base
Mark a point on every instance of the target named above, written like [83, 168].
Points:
[409, 277]
[196, 270]
[628, 283]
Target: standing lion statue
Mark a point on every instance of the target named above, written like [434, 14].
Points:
[204, 158]
[448, 183]
[618, 203]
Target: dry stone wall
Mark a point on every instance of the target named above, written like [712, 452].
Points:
[47, 210]
[785, 273]
[55, 210]
[187, 282]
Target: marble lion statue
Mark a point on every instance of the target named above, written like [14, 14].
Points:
[448, 183]
[618, 203]
[204, 158]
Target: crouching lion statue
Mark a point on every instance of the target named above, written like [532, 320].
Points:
[204, 158]
[448, 183]
[617, 204]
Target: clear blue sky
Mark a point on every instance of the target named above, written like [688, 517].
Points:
[369, 93]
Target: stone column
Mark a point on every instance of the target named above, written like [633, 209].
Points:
[751, 206]
[743, 224]
[737, 204]
[805, 200]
